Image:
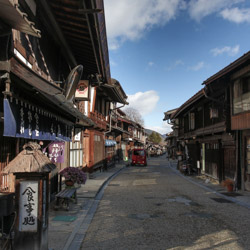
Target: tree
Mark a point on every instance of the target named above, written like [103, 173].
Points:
[154, 137]
[134, 115]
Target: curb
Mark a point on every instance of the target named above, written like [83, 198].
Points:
[77, 236]
[108, 179]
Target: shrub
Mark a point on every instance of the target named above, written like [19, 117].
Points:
[74, 174]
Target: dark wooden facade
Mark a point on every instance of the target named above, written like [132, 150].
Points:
[35, 67]
[215, 124]
[203, 133]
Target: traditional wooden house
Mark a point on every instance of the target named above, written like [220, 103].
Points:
[213, 125]
[204, 133]
[171, 137]
[47, 51]
[105, 98]
[125, 140]
[139, 135]
[234, 82]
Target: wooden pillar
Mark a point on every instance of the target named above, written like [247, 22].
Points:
[241, 155]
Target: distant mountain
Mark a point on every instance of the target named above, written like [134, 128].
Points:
[149, 132]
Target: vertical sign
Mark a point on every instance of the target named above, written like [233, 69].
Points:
[28, 206]
[56, 152]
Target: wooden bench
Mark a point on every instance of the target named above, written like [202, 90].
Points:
[64, 197]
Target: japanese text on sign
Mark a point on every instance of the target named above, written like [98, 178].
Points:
[28, 206]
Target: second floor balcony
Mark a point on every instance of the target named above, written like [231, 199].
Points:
[99, 120]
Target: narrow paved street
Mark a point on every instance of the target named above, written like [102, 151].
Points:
[154, 207]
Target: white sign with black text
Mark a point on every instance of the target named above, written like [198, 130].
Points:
[28, 206]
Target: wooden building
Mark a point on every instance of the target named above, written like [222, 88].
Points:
[234, 81]
[214, 126]
[49, 53]
[204, 133]
[171, 137]
[104, 99]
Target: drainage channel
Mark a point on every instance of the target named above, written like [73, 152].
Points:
[77, 237]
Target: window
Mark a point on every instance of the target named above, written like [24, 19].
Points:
[139, 152]
[76, 154]
[191, 121]
[241, 95]
[97, 138]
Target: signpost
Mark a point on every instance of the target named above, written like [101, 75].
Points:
[31, 227]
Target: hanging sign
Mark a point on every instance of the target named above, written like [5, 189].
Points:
[26, 121]
[56, 152]
[82, 91]
[28, 206]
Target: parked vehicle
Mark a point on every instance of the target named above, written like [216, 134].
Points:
[139, 157]
[186, 167]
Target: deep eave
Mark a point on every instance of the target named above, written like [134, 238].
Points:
[188, 103]
[168, 114]
[82, 25]
[232, 66]
[49, 90]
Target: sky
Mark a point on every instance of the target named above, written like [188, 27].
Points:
[161, 51]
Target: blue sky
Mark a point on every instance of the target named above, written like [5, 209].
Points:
[162, 50]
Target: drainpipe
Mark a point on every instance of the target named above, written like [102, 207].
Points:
[118, 107]
[110, 120]
[211, 98]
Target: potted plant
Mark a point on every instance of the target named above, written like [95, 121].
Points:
[73, 175]
[229, 184]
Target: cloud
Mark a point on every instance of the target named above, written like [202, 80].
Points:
[151, 64]
[236, 15]
[199, 9]
[144, 102]
[231, 51]
[197, 67]
[165, 128]
[131, 19]
[175, 65]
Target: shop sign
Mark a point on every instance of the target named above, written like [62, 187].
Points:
[82, 91]
[77, 136]
[56, 152]
[26, 121]
[28, 206]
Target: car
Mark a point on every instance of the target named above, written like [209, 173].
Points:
[139, 156]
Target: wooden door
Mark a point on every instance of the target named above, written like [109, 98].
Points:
[247, 164]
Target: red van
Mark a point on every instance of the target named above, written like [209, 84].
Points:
[139, 157]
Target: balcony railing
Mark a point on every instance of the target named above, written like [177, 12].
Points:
[126, 136]
[99, 120]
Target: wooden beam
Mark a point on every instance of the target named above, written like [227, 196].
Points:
[92, 41]
[67, 16]
[90, 11]
[79, 27]
[58, 33]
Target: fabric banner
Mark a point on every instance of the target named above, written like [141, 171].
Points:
[56, 152]
[110, 143]
[26, 121]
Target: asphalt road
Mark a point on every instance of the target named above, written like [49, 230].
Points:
[154, 207]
